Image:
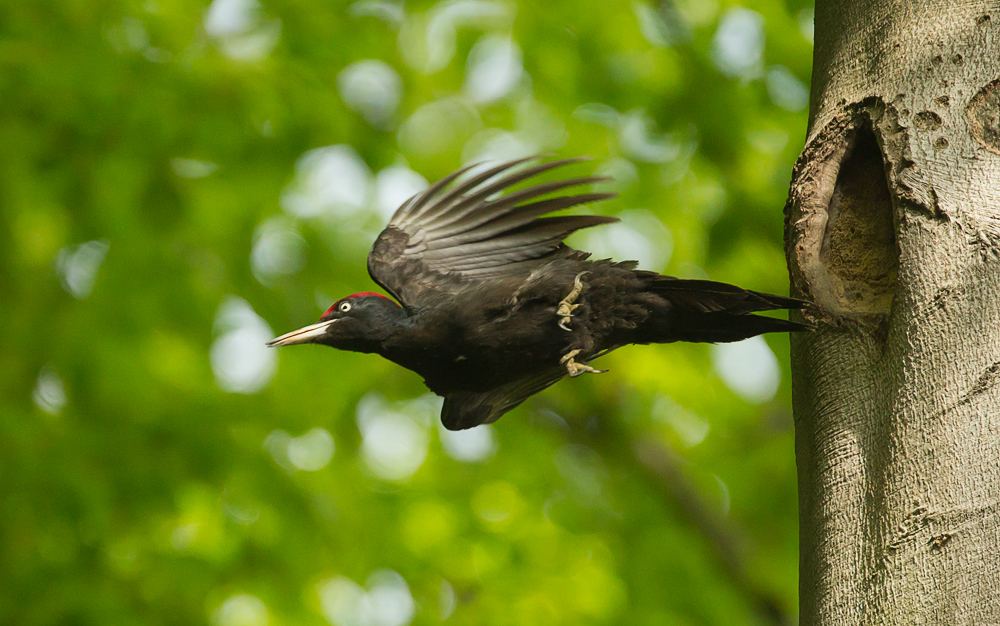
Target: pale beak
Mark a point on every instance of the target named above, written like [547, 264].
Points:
[306, 334]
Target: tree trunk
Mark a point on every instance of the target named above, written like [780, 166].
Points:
[894, 233]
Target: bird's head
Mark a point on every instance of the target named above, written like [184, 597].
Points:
[359, 322]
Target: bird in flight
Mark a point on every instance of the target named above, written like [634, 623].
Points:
[492, 307]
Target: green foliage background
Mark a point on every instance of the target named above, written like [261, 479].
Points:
[135, 490]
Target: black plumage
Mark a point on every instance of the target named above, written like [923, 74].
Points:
[495, 307]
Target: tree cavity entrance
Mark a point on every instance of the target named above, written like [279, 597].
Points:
[841, 219]
[859, 242]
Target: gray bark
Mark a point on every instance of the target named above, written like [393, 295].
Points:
[894, 233]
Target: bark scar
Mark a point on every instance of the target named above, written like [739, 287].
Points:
[944, 525]
[938, 542]
[987, 380]
[914, 522]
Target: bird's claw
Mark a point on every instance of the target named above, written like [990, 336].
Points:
[567, 306]
[575, 369]
[565, 310]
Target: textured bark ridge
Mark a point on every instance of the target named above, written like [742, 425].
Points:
[893, 231]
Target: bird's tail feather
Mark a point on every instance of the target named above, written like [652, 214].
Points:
[726, 328]
[709, 311]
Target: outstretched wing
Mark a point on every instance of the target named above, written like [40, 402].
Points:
[467, 409]
[452, 233]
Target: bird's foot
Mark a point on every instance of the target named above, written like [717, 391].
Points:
[574, 368]
[567, 306]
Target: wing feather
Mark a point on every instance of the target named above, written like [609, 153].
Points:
[488, 211]
[411, 209]
[541, 232]
[501, 219]
[467, 409]
[476, 199]
[476, 228]
[463, 410]
[460, 191]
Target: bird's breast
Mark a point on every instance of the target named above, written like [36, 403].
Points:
[479, 350]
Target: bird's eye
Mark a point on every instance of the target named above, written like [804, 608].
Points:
[345, 307]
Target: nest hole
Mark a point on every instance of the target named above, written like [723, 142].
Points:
[859, 243]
